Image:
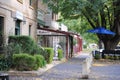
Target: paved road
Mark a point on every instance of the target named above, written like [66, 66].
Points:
[71, 70]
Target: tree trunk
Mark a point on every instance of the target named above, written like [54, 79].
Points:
[110, 44]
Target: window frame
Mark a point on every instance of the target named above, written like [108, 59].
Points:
[30, 26]
[17, 27]
[21, 1]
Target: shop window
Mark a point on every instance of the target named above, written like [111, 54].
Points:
[17, 27]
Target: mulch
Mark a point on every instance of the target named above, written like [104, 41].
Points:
[106, 62]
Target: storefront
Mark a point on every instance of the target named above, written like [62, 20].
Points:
[51, 38]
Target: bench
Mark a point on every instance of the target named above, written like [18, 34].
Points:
[111, 53]
[4, 76]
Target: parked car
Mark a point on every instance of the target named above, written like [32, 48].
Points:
[117, 48]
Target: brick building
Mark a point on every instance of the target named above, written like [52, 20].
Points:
[33, 18]
[17, 17]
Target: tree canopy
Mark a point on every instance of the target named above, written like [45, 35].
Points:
[80, 26]
[98, 13]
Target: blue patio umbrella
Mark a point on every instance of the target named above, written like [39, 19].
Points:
[101, 30]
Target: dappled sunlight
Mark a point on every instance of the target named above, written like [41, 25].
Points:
[98, 64]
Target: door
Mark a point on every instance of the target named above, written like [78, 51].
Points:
[17, 27]
[1, 30]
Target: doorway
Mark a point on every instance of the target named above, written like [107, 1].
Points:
[1, 30]
[17, 27]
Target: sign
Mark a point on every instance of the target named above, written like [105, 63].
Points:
[43, 32]
[19, 15]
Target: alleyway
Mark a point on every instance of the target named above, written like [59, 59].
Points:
[71, 70]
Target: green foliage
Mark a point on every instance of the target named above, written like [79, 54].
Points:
[24, 44]
[84, 46]
[81, 26]
[97, 56]
[3, 63]
[14, 48]
[105, 57]
[49, 57]
[60, 54]
[92, 13]
[40, 61]
[5, 58]
[111, 57]
[116, 57]
[24, 62]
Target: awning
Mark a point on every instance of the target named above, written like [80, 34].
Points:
[59, 31]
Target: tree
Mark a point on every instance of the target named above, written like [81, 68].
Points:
[105, 13]
[79, 26]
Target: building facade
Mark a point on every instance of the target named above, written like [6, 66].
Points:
[33, 18]
[17, 17]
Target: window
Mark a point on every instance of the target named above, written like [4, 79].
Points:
[30, 2]
[29, 30]
[1, 30]
[17, 27]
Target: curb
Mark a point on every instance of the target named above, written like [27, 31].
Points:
[40, 71]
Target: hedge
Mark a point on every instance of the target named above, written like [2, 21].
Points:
[24, 44]
[40, 61]
[3, 63]
[26, 62]
[60, 54]
[49, 56]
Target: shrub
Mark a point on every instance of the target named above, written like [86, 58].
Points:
[106, 57]
[111, 57]
[24, 62]
[3, 63]
[14, 48]
[5, 60]
[40, 61]
[116, 57]
[97, 56]
[60, 54]
[119, 57]
[24, 44]
[49, 56]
